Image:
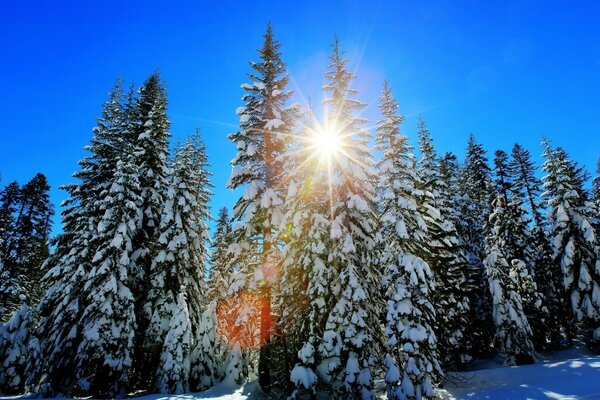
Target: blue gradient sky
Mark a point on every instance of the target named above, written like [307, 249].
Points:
[506, 71]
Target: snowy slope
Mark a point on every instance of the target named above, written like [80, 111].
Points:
[571, 374]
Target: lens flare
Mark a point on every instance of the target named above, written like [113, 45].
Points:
[327, 140]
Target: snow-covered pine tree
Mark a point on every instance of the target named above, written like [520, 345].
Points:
[411, 361]
[10, 288]
[218, 275]
[148, 128]
[348, 347]
[9, 284]
[445, 257]
[307, 283]
[512, 238]
[17, 342]
[108, 323]
[210, 350]
[513, 333]
[30, 242]
[475, 205]
[265, 123]
[570, 217]
[526, 188]
[65, 300]
[177, 272]
[25, 222]
[174, 367]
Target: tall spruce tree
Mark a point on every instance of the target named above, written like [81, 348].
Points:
[148, 128]
[570, 218]
[513, 332]
[219, 276]
[65, 300]
[25, 222]
[175, 301]
[411, 361]
[10, 285]
[307, 282]
[445, 257]
[108, 323]
[526, 189]
[265, 123]
[475, 205]
[210, 349]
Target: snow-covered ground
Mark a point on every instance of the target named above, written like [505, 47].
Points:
[567, 375]
[570, 374]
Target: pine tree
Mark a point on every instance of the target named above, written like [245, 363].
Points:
[411, 362]
[445, 257]
[17, 340]
[210, 350]
[32, 230]
[306, 294]
[348, 346]
[574, 241]
[10, 285]
[526, 189]
[175, 300]
[174, 367]
[265, 122]
[148, 128]
[25, 222]
[476, 195]
[104, 360]
[64, 302]
[513, 333]
[218, 274]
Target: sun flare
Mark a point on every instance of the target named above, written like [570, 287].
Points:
[327, 141]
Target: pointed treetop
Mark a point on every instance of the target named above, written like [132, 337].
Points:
[425, 141]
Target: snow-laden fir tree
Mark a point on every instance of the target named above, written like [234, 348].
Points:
[174, 367]
[348, 345]
[10, 284]
[513, 332]
[265, 123]
[175, 300]
[65, 300]
[411, 360]
[108, 323]
[17, 343]
[218, 278]
[570, 217]
[25, 222]
[307, 283]
[445, 257]
[526, 189]
[475, 205]
[516, 243]
[210, 349]
[148, 128]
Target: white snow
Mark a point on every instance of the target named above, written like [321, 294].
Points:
[570, 374]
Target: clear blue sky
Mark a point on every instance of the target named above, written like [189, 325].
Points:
[507, 71]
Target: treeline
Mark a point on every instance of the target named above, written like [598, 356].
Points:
[25, 224]
[334, 269]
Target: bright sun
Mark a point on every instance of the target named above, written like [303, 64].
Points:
[327, 141]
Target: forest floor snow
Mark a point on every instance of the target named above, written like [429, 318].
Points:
[567, 375]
